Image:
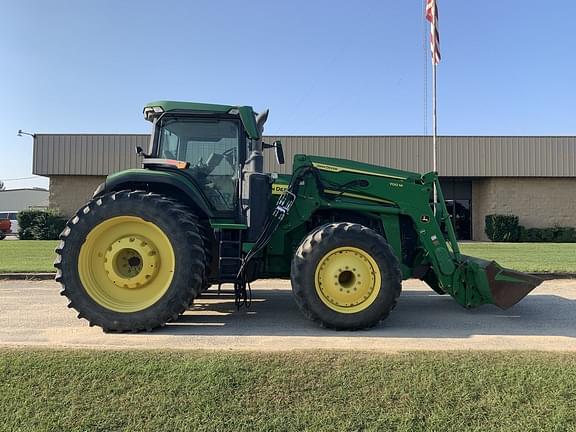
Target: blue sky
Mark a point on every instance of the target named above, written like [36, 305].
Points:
[322, 67]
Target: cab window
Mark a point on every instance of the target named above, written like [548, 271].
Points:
[211, 147]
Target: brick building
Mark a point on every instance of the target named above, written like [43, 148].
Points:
[531, 177]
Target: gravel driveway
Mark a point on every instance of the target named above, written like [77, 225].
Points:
[34, 314]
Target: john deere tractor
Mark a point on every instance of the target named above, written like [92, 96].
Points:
[201, 211]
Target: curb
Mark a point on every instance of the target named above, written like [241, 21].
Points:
[50, 276]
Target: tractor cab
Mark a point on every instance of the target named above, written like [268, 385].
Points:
[208, 150]
[218, 147]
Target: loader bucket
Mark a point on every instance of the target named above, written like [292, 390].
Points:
[505, 287]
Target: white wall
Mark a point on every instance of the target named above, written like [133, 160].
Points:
[22, 199]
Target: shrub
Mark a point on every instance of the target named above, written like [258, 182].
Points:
[548, 235]
[502, 228]
[565, 235]
[40, 224]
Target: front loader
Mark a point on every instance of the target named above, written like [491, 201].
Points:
[201, 211]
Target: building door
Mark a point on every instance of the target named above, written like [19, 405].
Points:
[459, 211]
[458, 196]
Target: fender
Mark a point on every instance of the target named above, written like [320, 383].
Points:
[159, 181]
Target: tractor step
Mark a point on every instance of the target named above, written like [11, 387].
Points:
[229, 255]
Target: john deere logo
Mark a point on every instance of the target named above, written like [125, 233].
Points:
[278, 189]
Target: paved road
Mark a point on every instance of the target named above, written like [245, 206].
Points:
[33, 314]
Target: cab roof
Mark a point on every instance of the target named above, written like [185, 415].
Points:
[246, 113]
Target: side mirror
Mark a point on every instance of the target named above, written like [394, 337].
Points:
[140, 152]
[279, 152]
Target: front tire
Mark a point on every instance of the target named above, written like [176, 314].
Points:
[345, 276]
[131, 260]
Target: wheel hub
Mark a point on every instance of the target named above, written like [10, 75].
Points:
[131, 262]
[347, 279]
[126, 264]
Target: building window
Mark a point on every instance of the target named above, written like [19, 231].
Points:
[458, 196]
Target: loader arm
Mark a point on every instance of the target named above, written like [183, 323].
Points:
[334, 186]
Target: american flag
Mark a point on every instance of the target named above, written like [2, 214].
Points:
[432, 16]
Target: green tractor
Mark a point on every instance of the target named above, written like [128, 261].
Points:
[203, 212]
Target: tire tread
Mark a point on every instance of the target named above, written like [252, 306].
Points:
[301, 267]
[180, 217]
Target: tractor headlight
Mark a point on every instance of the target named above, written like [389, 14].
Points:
[150, 111]
[147, 113]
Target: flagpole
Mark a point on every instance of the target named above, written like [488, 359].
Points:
[432, 17]
[434, 130]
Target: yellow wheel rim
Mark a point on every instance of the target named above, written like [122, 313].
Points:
[347, 280]
[126, 264]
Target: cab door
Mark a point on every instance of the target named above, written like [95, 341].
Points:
[212, 146]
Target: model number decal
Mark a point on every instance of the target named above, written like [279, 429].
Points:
[398, 185]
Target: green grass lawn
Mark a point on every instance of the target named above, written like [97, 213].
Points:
[322, 391]
[527, 257]
[27, 255]
[38, 256]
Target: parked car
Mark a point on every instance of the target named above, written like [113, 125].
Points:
[8, 223]
[4, 228]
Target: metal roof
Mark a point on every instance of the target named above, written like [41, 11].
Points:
[192, 106]
[458, 156]
[85, 154]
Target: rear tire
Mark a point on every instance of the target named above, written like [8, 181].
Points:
[131, 261]
[345, 276]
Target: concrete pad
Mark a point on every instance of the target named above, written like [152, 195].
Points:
[33, 314]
